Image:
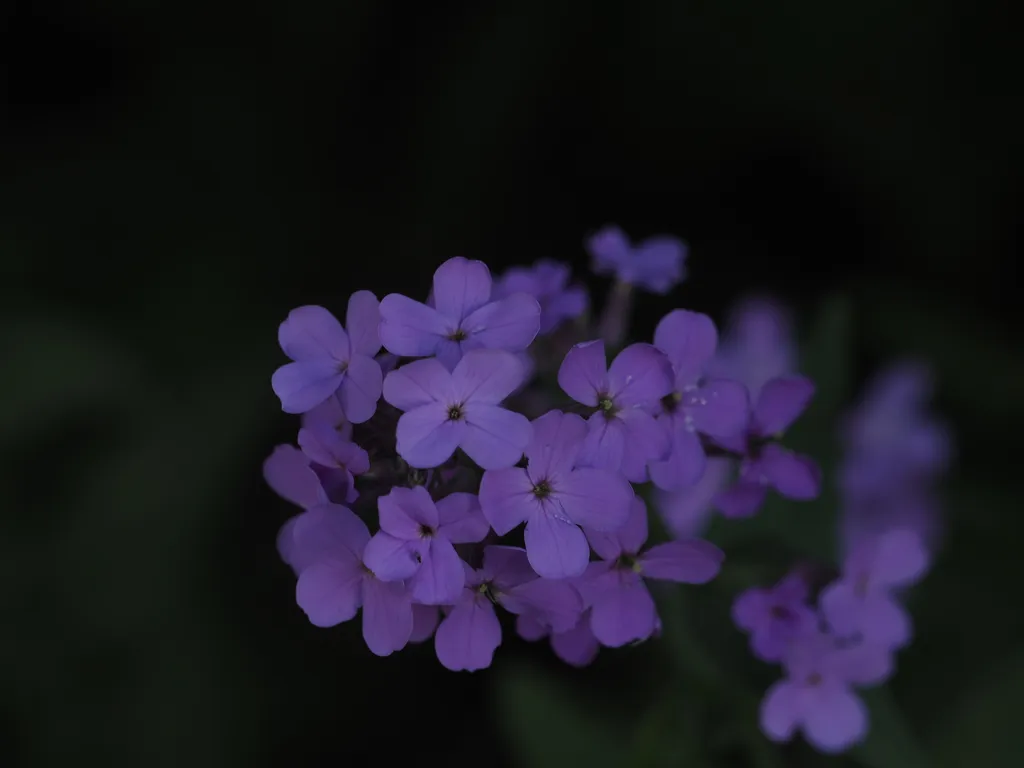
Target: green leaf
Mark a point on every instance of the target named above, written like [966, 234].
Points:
[890, 742]
[549, 728]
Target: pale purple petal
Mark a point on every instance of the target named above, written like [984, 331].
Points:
[641, 374]
[623, 615]
[486, 376]
[494, 438]
[605, 444]
[899, 559]
[782, 710]
[362, 320]
[440, 577]
[460, 286]
[360, 389]
[391, 558]
[312, 333]
[863, 663]
[691, 562]
[468, 636]
[460, 519]
[530, 628]
[583, 373]
[506, 566]
[288, 473]
[610, 249]
[629, 538]
[792, 475]
[686, 511]
[657, 264]
[838, 720]
[750, 609]
[426, 438]
[303, 386]
[743, 499]
[595, 498]
[722, 408]
[329, 413]
[577, 646]
[387, 616]
[644, 441]
[510, 324]
[405, 511]
[781, 401]
[329, 591]
[328, 531]
[557, 441]
[689, 340]
[424, 622]
[286, 544]
[556, 548]
[555, 602]
[409, 328]
[506, 497]
[418, 383]
[686, 462]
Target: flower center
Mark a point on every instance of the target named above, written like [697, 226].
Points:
[607, 405]
[671, 402]
[455, 412]
[426, 531]
[542, 489]
[628, 562]
[458, 335]
[860, 585]
[781, 612]
[814, 678]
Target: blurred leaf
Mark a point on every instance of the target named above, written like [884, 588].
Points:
[549, 728]
[983, 729]
[890, 742]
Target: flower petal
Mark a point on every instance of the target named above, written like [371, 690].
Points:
[640, 374]
[494, 437]
[360, 389]
[486, 376]
[657, 263]
[418, 383]
[556, 548]
[838, 720]
[506, 567]
[742, 499]
[409, 328]
[405, 511]
[391, 558]
[426, 438]
[557, 441]
[288, 473]
[625, 614]
[328, 531]
[627, 538]
[782, 710]
[689, 340]
[609, 249]
[686, 461]
[577, 646]
[509, 324]
[506, 497]
[363, 323]
[691, 562]
[644, 441]
[781, 401]
[584, 373]
[387, 616]
[305, 385]
[899, 559]
[604, 446]
[460, 519]
[424, 622]
[440, 578]
[468, 636]
[460, 286]
[330, 592]
[720, 408]
[554, 601]
[312, 333]
[792, 475]
[595, 498]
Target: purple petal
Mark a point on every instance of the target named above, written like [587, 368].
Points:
[743, 499]
[557, 441]
[360, 389]
[363, 323]
[657, 264]
[750, 608]
[426, 438]
[554, 601]
[781, 401]
[556, 548]
[686, 511]
[494, 438]
[625, 614]
[605, 444]
[640, 374]
[468, 636]
[628, 538]
[329, 413]
[507, 567]
[782, 710]
[577, 646]
[837, 721]
[722, 408]
[288, 473]
[424, 622]
[569, 304]
[328, 531]
[391, 558]
[610, 249]
[595, 498]
[689, 340]
[305, 385]
[312, 333]
[440, 577]
[793, 476]
[404, 512]
[409, 328]
[690, 562]
[461, 286]
[486, 376]
[418, 383]
[686, 461]
[644, 441]
[506, 497]
[530, 628]
[583, 373]
[899, 559]
[387, 616]
[510, 324]
[863, 664]
[330, 592]
[286, 544]
[460, 519]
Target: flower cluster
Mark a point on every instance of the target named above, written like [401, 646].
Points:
[893, 455]
[444, 479]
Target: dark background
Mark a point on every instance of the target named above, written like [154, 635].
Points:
[174, 177]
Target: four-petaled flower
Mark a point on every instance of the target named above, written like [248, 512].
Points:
[655, 265]
[547, 282]
[775, 617]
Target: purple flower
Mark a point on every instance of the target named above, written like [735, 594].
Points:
[861, 604]
[816, 694]
[328, 361]
[289, 474]
[415, 542]
[656, 264]
[553, 497]
[775, 617]
[424, 622]
[622, 609]
[329, 413]
[459, 409]
[576, 646]
[547, 282]
[697, 405]
[336, 458]
[468, 636]
[686, 511]
[758, 345]
[622, 433]
[767, 464]
[461, 317]
[334, 582]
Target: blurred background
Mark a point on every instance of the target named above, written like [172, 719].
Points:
[174, 177]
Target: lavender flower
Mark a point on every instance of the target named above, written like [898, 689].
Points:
[328, 361]
[622, 609]
[461, 317]
[554, 496]
[622, 434]
[468, 636]
[767, 464]
[336, 460]
[416, 538]
[459, 409]
[655, 265]
[547, 282]
[714, 407]
[861, 604]
[775, 617]
[334, 582]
